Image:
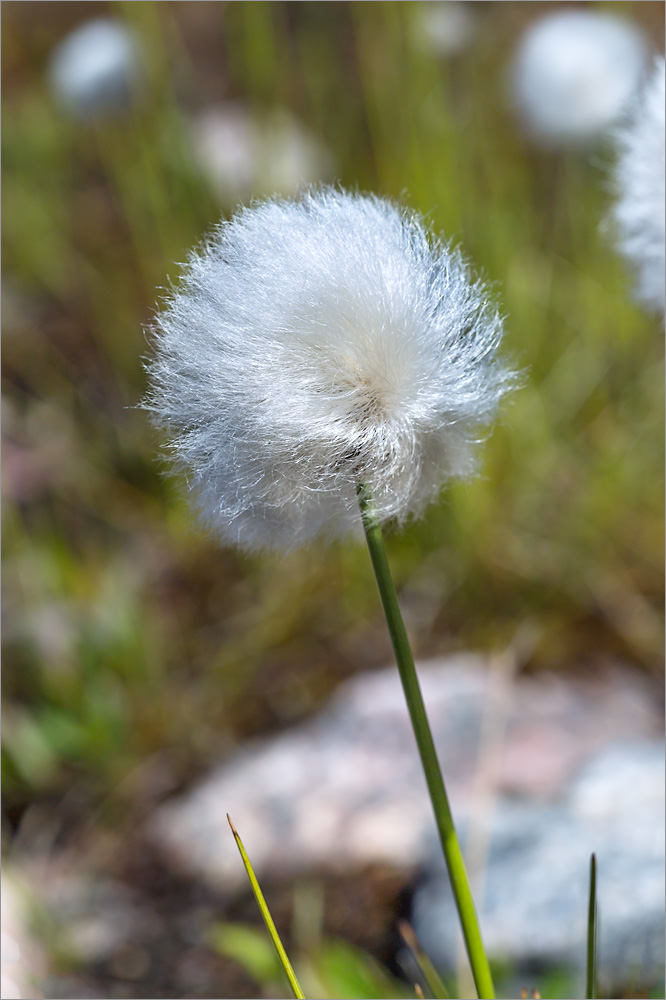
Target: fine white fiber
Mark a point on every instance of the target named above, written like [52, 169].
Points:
[640, 182]
[312, 346]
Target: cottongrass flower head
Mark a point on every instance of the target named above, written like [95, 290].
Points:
[640, 183]
[444, 28]
[312, 346]
[96, 70]
[241, 154]
[574, 74]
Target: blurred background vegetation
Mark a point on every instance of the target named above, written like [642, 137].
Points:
[134, 645]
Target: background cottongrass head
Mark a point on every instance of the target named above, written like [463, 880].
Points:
[242, 153]
[640, 183]
[96, 69]
[316, 344]
[574, 73]
[444, 28]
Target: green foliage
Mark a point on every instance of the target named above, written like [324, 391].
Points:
[251, 948]
[335, 969]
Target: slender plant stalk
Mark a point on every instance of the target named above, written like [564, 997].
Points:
[591, 975]
[268, 920]
[432, 978]
[440, 802]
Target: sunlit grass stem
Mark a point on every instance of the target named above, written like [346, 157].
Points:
[440, 802]
[268, 920]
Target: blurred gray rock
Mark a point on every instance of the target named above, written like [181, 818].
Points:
[345, 789]
[541, 771]
[534, 898]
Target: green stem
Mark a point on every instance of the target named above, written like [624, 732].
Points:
[268, 920]
[591, 972]
[440, 802]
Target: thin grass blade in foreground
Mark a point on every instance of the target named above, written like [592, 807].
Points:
[453, 856]
[268, 920]
[432, 978]
[591, 974]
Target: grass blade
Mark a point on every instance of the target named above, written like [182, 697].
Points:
[268, 920]
[432, 978]
[591, 974]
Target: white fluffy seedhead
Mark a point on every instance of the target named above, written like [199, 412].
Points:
[96, 70]
[574, 73]
[314, 345]
[641, 185]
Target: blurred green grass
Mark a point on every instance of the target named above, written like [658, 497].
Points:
[130, 637]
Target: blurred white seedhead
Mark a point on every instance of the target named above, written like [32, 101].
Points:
[640, 183]
[96, 70]
[575, 73]
[443, 27]
[242, 154]
[314, 345]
